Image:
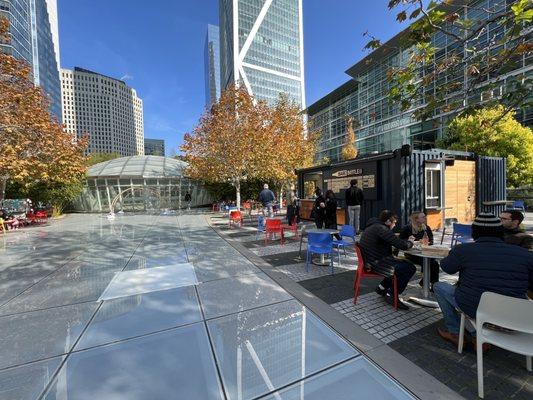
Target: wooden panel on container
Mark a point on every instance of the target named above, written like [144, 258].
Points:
[306, 206]
[460, 191]
[434, 218]
[341, 216]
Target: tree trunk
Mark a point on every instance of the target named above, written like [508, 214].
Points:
[238, 190]
[3, 183]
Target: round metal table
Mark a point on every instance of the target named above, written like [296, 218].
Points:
[426, 298]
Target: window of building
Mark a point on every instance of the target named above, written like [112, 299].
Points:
[433, 185]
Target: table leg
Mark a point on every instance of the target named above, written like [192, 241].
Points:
[425, 273]
[322, 259]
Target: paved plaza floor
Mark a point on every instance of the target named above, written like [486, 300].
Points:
[162, 307]
[411, 334]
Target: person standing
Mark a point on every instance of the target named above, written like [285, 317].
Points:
[354, 200]
[266, 197]
[319, 209]
[188, 200]
[330, 220]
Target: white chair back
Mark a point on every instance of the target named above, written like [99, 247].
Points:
[505, 311]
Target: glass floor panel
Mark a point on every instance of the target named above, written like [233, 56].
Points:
[176, 364]
[264, 349]
[147, 280]
[131, 316]
[355, 379]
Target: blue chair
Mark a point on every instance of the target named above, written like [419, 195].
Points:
[519, 205]
[261, 226]
[319, 243]
[346, 231]
[462, 233]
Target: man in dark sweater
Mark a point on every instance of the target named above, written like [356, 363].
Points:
[487, 265]
[512, 234]
[377, 242]
[354, 200]
[266, 197]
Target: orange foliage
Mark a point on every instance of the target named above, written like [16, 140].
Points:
[33, 145]
[240, 138]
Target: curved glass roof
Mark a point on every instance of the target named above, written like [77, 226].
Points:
[138, 167]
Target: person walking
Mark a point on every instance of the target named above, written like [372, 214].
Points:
[319, 209]
[330, 220]
[354, 200]
[266, 197]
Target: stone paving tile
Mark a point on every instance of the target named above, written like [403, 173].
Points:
[297, 271]
[505, 374]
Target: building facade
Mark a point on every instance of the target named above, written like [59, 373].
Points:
[261, 46]
[381, 125]
[35, 39]
[212, 65]
[105, 109]
[154, 147]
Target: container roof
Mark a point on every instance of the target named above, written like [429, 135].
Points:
[138, 167]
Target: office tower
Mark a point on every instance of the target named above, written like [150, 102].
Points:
[381, 125]
[104, 108]
[35, 39]
[261, 47]
[212, 65]
[154, 147]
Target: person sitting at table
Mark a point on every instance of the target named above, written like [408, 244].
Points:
[11, 222]
[376, 244]
[486, 265]
[319, 209]
[512, 233]
[419, 229]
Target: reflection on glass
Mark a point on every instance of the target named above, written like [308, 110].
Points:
[263, 349]
[356, 378]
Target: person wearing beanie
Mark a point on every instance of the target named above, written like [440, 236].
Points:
[486, 265]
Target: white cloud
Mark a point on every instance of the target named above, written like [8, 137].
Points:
[126, 77]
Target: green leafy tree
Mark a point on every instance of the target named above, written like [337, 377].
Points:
[96, 158]
[493, 132]
[484, 43]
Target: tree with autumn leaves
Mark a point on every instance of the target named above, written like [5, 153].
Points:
[241, 138]
[34, 148]
[349, 150]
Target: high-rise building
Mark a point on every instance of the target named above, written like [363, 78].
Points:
[104, 108]
[261, 46]
[382, 125]
[212, 65]
[35, 39]
[154, 147]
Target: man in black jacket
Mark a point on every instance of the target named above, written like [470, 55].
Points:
[512, 233]
[487, 265]
[354, 200]
[376, 245]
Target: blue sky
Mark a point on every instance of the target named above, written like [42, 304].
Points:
[158, 48]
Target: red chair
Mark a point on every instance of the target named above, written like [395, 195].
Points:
[273, 226]
[235, 217]
[291, 228]
[362, 273]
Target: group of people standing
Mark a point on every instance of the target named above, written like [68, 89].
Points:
[325, 207]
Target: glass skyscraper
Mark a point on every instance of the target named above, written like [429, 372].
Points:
[35, 39]
[379, 124]
[212, 65]
[262, 47]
